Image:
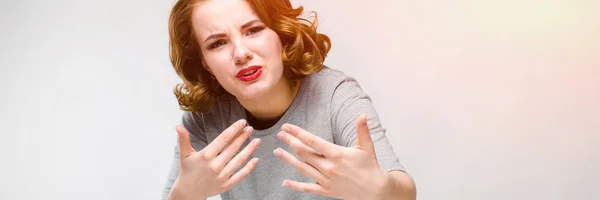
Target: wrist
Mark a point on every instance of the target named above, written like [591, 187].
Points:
[399, 186]
[386, 187]
[378, 187]
[179, 192]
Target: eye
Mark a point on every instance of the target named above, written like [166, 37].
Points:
[255, 30]
[217, 44]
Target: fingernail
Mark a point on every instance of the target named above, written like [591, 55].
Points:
[277, 152]
[248, 129]
[255, 142]
[242, 122]
[254, 160]
[286, 184]
[285, 128]
[281, 135]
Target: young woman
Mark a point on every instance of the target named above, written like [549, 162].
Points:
[253, 77]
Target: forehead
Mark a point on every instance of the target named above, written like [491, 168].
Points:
[218, 15]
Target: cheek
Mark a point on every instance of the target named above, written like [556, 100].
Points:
[216, 62]
[275, 59]
[277, 44]
[275, 47]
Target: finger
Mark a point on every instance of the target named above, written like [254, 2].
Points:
[318, 144]
[305, 187]
[240, 175]
[230, 150]
[363, 136]
[306, 153]
[302, 167]
[240, 158]
[212, 149]
[247, 129]
[185, 146]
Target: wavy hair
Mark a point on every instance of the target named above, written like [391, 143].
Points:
[303, 49]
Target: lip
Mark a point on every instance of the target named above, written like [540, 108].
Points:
[251, 77]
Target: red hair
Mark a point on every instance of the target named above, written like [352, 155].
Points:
[303, 53]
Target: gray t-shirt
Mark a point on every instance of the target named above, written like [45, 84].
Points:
[327, 105]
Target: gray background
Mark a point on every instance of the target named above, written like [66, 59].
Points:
[482, 99]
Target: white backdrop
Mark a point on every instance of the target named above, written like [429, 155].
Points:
[482, 99]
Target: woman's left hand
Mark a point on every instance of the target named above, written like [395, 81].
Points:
[339, 172]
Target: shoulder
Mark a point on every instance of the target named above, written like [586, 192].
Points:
[330, 82]
[330, 77]
[334, 90]
[336, 84]
[192, 121]
[197, 122]
[224, 111]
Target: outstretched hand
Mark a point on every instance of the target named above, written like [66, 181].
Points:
[213, 169]
[339, 172]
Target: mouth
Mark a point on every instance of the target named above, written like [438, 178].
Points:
[249, 73]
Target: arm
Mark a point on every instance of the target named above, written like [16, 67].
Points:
[400, 186]
[348, 102]
[355, 167]
[212, 170]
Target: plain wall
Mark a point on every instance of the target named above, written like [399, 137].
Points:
[481, 99]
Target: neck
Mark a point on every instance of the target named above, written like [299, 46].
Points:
[274, 104]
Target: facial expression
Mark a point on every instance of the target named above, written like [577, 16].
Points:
[241, 52]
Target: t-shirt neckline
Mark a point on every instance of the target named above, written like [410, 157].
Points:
[285, 118]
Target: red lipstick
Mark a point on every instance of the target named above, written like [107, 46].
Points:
[249, 73]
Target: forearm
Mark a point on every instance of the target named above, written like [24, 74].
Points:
[400, 186]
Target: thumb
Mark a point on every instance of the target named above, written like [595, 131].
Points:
[363, 135]
[185, 147]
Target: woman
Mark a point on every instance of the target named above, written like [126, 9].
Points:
[254, 77]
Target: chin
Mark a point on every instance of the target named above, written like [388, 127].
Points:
[254, 90]
[257, 89]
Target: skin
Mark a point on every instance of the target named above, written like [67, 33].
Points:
[215, 164]
[342, 172]
[230, 41]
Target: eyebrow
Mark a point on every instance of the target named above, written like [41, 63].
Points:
[246, 25]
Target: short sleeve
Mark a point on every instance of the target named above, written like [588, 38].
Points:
[193, 123]
[348, 102]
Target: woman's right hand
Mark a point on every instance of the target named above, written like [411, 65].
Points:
[210, 171]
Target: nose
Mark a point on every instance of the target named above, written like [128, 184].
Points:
[241, 53]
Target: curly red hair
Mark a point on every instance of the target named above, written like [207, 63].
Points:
[304, 49]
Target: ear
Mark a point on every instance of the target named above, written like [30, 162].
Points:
[204, 64]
